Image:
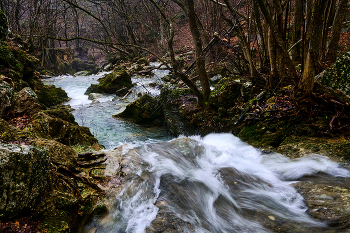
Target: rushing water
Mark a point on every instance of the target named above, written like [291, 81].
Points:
[191, 184]
[97, 114]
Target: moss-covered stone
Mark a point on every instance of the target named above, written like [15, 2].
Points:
[62, 131]
[59, 153]
[111, 83]
[23, 177]
[61, 112]
[145, 110]
[48, 95]
[228, 92]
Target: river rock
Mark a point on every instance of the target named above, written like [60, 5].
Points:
[177, 103]
[25, 102]
[23, 177]
[48, 95]
[327, 201]
[112, 83]
[81, 65]
[145, 110]
[82, 73]
[62, 131]
[6, 94]
[59, 153]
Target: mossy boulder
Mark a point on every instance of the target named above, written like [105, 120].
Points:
[230, 91]
[16, 63]
[61, 112]
[7, 132]
[59, 153]
[145, 110]
[112, 83]
[48, 95]
[62, 131]
[178, 107]
[81, 65]
[3, 26]
[23, 177]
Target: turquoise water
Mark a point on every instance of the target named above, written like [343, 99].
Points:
[97, 114]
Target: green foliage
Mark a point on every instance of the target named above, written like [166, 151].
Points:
[338, 75]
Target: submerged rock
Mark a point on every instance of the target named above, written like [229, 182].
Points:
[23, 176]
[112, 83]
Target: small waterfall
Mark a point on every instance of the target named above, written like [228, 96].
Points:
[191, 184]
[213, 184]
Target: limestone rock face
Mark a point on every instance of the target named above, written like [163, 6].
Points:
[23, 176]
[25, 102]
[6, 94]
[112, 83]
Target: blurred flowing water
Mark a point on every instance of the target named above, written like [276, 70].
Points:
[191, 184]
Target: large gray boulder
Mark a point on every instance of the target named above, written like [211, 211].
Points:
[23, 177]
[25, 102]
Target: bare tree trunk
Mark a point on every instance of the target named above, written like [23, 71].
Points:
[278, 38]
[296, 36]
[336, 29]
[198, 49]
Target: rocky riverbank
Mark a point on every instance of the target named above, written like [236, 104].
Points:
[46, 185]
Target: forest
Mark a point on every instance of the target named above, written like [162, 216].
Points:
[273, 73]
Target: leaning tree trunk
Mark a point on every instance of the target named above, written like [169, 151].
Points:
[336, 29]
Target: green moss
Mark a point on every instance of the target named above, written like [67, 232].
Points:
[111, 83]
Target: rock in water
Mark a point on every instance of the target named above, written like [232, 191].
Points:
[23, 177]
[112, 83]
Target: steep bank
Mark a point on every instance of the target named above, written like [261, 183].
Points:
[39, 145]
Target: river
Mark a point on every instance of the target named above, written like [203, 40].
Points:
[215, 183]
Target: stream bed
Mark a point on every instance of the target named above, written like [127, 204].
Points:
[192, 184]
